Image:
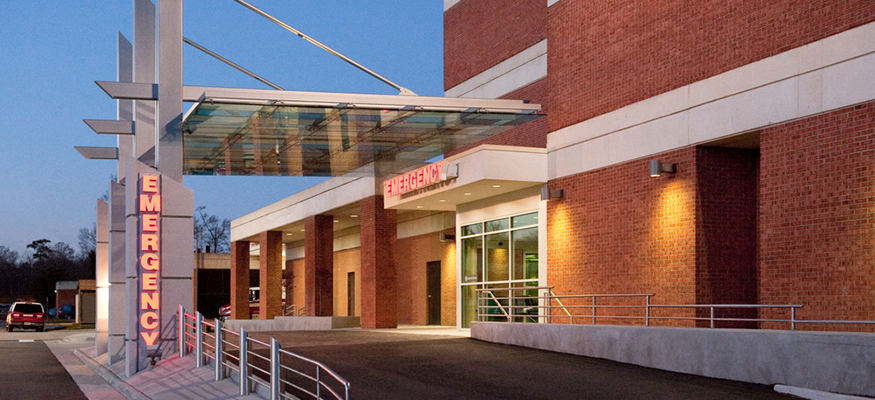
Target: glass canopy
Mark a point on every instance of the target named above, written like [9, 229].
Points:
[313, 138]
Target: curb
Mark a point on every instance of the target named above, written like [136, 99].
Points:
[123, 387]
[812, 394]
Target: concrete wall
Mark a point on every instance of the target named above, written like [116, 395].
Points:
[828, 361]
[293, 324]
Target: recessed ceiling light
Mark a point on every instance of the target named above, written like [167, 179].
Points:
[496, 186]
[418, 206]
[288, 234]
[467, 193]
[336, 221]
[442, 201]
[354, 216]
[302, 230]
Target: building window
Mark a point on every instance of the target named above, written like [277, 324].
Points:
[500, 253]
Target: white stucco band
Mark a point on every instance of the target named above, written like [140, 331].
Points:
[511, 74]
[829, 74]
[326, 196]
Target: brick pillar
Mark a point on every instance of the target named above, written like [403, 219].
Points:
[378, 237]
[319, 265]
[271, 274]
[239, 280]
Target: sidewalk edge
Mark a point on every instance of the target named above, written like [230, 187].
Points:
[123, 387]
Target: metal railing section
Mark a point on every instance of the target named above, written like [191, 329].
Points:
[506, 304]
[256, 362]
[293, 310]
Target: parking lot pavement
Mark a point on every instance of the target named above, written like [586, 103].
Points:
[28, 370]
[401, 366]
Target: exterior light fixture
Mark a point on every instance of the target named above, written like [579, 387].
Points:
[657, 168]
[547, 194]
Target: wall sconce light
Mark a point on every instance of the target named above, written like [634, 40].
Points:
[657, 168]
[547, 194]
[447, 237]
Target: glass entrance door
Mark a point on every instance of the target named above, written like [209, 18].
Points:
[499, 253]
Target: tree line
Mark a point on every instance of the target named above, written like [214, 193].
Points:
[32, 276]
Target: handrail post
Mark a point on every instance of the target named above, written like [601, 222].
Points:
[593, 310]
[220, 367]
[199, 340]
[275, 370]
[181, 332]
[318, 382]
[511, 303]
[244, 368]
[549, 304]
[647, 311]
[792, 318]
[712, 317]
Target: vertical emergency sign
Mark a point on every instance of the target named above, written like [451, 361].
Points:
[150, 259]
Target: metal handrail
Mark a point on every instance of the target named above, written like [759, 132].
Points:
[545, 303]
[225, 355]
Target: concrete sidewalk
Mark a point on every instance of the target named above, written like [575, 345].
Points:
[173, 378]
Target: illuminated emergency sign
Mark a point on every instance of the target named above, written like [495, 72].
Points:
[427, 175]
[150, 261]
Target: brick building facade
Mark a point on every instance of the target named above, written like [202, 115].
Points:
[767, 110]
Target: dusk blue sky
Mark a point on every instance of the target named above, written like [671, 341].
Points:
[52, 52]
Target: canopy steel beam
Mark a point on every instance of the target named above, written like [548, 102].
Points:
[229, 62]
[337, 54]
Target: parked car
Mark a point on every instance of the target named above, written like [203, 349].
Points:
[26, 314]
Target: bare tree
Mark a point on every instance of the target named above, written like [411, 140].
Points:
[212, 232]
[9, 274]
[88, 239]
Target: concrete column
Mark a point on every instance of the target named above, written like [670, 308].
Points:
[319, 265]
[102, 278]
[378, 236]
[271, 274]
[240, 280]
[117, 276]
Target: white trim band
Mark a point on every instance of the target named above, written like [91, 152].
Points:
[511, 74]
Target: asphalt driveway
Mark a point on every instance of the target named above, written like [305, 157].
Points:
[403, 366]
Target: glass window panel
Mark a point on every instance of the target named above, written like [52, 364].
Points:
[524, 220]
[497, 257]
[472, 259]
[472, 229]
[525, 253]
[469, 305]
[497, 225]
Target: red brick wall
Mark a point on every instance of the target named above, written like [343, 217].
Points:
[619, 231]
[816, 232]
[532, 134]
[379, 290]
[412, 278]
[604, 55]
[319, 265]
[726, 240]
[295, 294]
[481, 34]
